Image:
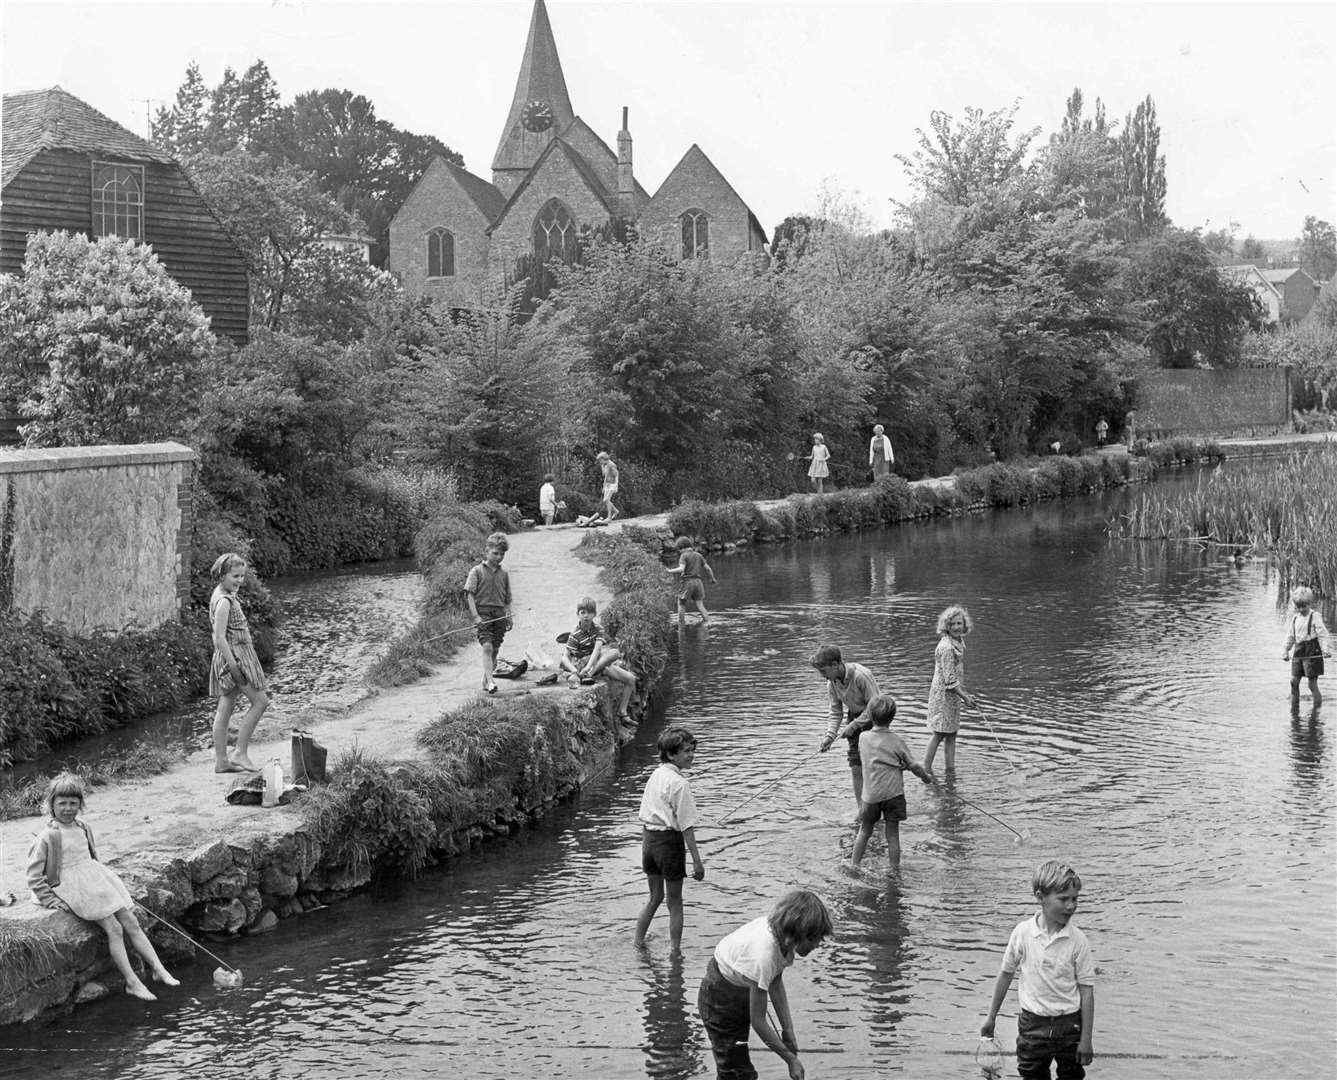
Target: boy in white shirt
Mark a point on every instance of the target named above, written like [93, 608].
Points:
[1057, 987]
[668, 814]
[1306, 645]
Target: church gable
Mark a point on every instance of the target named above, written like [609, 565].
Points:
[438, 239]
[599, 156]
[696, 210]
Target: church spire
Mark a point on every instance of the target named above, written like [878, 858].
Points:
[540, 109]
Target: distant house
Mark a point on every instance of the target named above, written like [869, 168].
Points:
[1269, 296]
[1297, 289]
[357, 245]
[66, 166]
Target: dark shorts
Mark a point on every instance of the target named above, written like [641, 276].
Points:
[892, 809]
[1306, 667]
[493, 627]
[852, 745]
[664, 854]
[726, 1012]
[1042, 1039]
[692, 591]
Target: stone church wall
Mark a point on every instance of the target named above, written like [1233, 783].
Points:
[97, 536]
[437, 201]
[697, 185]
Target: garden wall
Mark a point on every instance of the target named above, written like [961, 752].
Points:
[97, 536]
[1252, 400]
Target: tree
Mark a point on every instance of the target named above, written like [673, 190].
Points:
[959, 163]
[1142, 172]
[1081, 165]
[1191, 313]
[1219, 242]
[1318, 249]
[181, 129]
[1252, 250]
[98, 344]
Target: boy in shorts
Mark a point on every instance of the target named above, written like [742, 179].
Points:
[691, 564]
[1057, 987]
[488, 589]
[884, 754]
[668, 814]
[1306, 645]
[588, 656]
[850, 687]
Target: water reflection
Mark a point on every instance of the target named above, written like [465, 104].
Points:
[673, 1036]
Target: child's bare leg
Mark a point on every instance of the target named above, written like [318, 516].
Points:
[861, 842]
[547, 519]
[259, 703]
[656, 884]
[627, 681]
[950, 752]
[856, 778]
[489, 658]
[701, 607]
[607, 656]
[1313, 690]
[674, 889]
[932, 751]
[893, 828]
[134, 985]
[222, 715]
[144, 946]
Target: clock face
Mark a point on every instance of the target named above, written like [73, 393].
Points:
[536, 116]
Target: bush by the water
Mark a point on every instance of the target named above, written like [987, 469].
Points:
[55, 685]
[26, 797]
[636, 621]
[1285, 512]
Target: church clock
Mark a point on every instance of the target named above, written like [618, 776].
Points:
[536, 116]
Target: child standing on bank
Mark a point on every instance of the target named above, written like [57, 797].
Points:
[235, 668]
[746, 975]
[548, 499]
[488, 588]
[588, 656]
[1306, 645]
[1057, 986]
[948, 693]
[64, 874]
[691, 564]
[668, 814]
[820, 455]
[884, 756]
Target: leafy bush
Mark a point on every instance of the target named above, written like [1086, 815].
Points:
[636, 621]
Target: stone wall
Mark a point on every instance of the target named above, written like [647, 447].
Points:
[1235, 400]
[97, 536]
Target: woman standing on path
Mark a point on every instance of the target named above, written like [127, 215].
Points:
[880, 455]
[818, 471]
[948, 693]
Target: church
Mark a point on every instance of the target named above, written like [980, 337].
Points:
[458, 237]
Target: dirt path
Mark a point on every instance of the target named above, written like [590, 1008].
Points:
[183, 809]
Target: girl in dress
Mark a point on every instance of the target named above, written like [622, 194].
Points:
[818, 470]
[948, 693]
[64, 874]
[235, 668]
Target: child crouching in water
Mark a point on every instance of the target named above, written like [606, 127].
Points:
[64, 874]
[1057, 986]
[884, 754]
[746, 974]
[668, 816]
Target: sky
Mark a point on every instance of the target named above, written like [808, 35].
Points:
[797, 103]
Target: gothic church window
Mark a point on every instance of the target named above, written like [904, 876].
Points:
[118, 200]
[695, 233]
[440, 253]
[555, 234]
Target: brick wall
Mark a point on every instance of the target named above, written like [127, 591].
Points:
[1214, 402]
[98, 536]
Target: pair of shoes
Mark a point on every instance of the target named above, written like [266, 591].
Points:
[490, 688]
[586, 680]
[548, 680]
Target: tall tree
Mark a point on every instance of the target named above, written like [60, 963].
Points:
[1143, 172]
[958, 163]
[1080, 167]
[182, 127]
[1219, 242]
[1252, 250]
[1318, 249]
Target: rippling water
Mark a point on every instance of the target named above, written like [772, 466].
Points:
[1137, 690]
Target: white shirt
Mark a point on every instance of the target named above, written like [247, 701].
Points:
[1052, 966]
[751, 952]
[547, 497]
[667, 802]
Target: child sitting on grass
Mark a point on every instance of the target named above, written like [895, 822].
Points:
[588, 656]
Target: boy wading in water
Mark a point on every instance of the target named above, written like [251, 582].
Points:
[1056, 990]
[691, 565]
[850, 687]
[884, 756]
[1306, 645]
[668, 814]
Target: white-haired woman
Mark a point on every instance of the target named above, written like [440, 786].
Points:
[880, 455]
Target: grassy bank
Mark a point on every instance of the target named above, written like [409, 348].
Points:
[1286, 513]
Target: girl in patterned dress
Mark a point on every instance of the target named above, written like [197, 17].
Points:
[64, 874]
[235, 668]
[818, 470]
[948, 692]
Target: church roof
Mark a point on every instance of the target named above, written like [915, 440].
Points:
[583, 167]
[483, 195]
[1280, 277]
[54, 119]
[578, 131]
[540, 79]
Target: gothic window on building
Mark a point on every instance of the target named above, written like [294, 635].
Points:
[118, 200]
[440, 253]
[555, 234]
[695, 234]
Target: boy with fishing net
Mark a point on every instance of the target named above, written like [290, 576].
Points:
[488, 591]
[850, 687]
[884, 756]
[668, 818]
[1056, 990]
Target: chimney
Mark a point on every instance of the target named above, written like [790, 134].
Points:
[626, 181]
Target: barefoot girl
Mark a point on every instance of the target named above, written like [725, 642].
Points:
[64, 874]
[235, 668]
[947, 694]
[818, 470]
